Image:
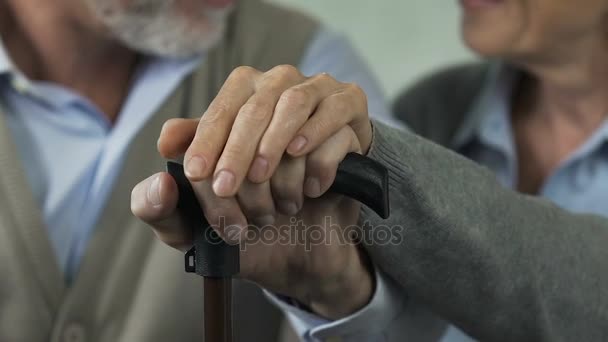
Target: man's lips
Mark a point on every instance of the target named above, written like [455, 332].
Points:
[218, 3]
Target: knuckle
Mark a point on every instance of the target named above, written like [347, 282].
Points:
[355, 89]
[323, 78]
[322, 165]
[243, 72]
[357, 93]
[297, 97]
[339, 104]
[255, 111]
[170, 124]
[214, 113]
[287, 70]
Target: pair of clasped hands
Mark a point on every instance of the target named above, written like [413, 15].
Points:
[263, 155]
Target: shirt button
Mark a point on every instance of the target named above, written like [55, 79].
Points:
[74, 333]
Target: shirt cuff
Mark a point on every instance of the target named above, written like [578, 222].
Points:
[367, 324]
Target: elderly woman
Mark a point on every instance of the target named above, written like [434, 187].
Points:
[516, 254]
[537, 117]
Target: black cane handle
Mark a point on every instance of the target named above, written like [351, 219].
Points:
[358, 177]
[364, 180]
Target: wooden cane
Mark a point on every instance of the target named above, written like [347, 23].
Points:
[217, 309]
[358, 177]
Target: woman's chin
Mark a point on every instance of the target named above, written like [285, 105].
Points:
[489, 42]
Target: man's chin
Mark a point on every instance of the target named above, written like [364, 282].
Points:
[166, 30]
[173, 40]
[170, 46]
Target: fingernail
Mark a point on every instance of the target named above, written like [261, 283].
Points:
[259, 168]
[297, 144]
[264, 221]
[195, 167]
[154, 192]
[289, 208]
[223, 184]
[312, 187]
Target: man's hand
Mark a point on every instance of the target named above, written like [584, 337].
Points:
[258, 116]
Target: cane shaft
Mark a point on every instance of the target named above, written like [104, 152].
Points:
[218, 309]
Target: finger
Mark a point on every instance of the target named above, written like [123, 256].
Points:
[293, 109]
[346, 107]
[154, 201]
[322, 163]
[223, 213]
[286, 185]
[256, 203]
[215, 125]
[176, 136]
[249, 126]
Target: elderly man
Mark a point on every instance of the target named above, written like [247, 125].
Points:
[85, 86]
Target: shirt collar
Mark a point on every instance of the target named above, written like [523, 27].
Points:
[488, 119]
[491, 105]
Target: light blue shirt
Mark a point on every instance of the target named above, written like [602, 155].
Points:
[577, 185]
[72, 154]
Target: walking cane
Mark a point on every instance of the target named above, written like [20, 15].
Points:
[217, 262]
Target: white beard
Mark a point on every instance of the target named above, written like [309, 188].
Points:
[157, 27]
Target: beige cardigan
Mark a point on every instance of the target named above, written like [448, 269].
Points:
[130, 287]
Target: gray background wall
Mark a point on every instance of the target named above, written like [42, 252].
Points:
[401, 39]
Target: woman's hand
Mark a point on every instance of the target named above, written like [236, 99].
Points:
[256, 117]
